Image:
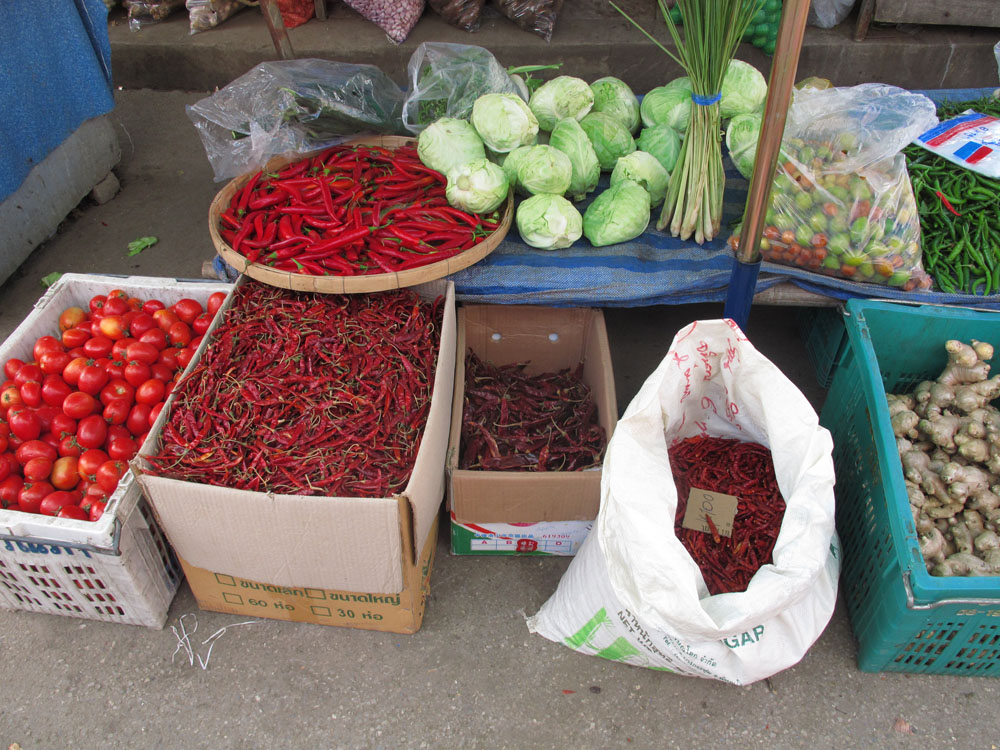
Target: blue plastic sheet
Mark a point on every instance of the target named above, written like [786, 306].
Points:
[56, 63]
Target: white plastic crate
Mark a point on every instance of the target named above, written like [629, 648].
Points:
[119, 568]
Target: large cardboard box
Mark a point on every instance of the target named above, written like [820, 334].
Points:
[551, 511]
[368, 546]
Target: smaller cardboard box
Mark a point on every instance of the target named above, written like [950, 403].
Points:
[527, 512]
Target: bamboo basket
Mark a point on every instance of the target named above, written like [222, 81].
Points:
[347, 284]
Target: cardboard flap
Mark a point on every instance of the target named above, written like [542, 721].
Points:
[287, 540]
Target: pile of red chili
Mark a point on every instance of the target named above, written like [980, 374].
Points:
[515, 421]
[351, 210]
[746, 471]
[307, 394]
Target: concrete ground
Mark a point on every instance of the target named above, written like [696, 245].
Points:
[473, 676]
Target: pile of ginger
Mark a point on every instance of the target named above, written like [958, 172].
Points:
[948, 436]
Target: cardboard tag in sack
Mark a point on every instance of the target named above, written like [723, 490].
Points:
[635, 583]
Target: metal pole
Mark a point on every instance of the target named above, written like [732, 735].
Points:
[779, 94]
[276, 26]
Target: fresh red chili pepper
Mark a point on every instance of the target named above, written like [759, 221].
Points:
[947, 204]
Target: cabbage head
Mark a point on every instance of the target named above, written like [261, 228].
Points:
[548, 221]
[504, 122]
[512, 161]
[609, 139]
[448, 142]
[741, 140]
[614, 97]
[744, 90]
[619, 214]
[668, 105]
[563, 96]
[544, 169]
[570, 138]
[663, 142]
[478, 186]
[646, 170]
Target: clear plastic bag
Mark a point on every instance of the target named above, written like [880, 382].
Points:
[207, 14]
[536, 16]
[144, 12]
[395, 17]
[841, 201]
[461, 13]
[293, 106]
[446, 79]
[828, 13]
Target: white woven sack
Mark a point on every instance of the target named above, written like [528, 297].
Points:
[634, 594]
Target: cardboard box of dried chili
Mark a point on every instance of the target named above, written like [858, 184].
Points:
[533, 407]
[298, 469]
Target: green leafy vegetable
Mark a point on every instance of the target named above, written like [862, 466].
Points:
[137, 246]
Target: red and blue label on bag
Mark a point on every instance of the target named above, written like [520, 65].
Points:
[970, 139]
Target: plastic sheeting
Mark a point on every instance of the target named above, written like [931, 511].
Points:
[56, 60]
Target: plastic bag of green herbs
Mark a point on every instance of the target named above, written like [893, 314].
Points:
[446, 79]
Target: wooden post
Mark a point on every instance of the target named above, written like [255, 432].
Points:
[279, 34]
[320, 9]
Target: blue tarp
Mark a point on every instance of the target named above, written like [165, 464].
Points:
[656, 268]
[56, 64]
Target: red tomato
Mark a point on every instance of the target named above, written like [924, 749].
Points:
[122, 449]
[46, 344]
[184, 356]
[153, 414]
[29, 371]
[30, 449]
[71, 373]
[98, 346]
[88, 463]
[116, 306]
[140, 324]
[116, 431]
[69, 447]
[150, 306]
[79, 404]
[97, 303]
[215, 300]
[73, 511]
[11, 366]
[24, 423]
[150, 392]
[179, 334]
[138, 419]
[118, 294]
[64, 473]
[37, 469]
[141, 351]
[10, 397]
[134, 304]
[118, 388]
[31, 393]
[5, 467]
[49, 438]
[55, 390]
[116, 411]
[136, 373]
[62, 425]
[113, 327]
[31, 495]
[97, 510]
[155, 336]
[92, 379]
[109, 473]
[115, 369]
[168, 357]
[92, 431]
[54, 362]
[54, 502]
[121, 345]
[75, 337]
[195, 343]
[161, 372]
[71, 317]
[10, 488]
[187, 309]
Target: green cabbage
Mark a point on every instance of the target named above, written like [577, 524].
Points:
[668, 105]
[544, 169]
[609, 139]
[663, 142]
[478, 186]
[563, 96]
[646, 170]
[743, 90]
[548, 221]
[512, 161]
[614, 97]
[741, 140]
[619, 214]
[504, 122]
[448, 142]
[570, 138]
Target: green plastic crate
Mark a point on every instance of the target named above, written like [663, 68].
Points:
[822, 330]
[905, 620]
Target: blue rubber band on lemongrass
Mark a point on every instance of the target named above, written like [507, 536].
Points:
[706, 101]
